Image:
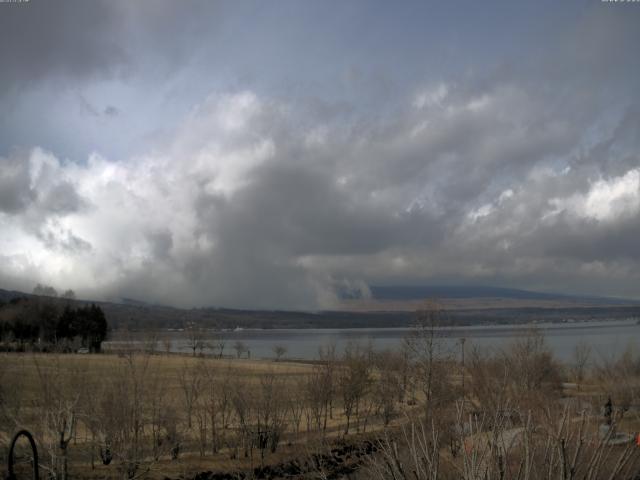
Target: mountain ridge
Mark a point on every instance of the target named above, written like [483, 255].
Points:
[132, 315]
[417, 292]
[391, 293]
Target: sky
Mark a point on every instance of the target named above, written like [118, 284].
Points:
[275, 154]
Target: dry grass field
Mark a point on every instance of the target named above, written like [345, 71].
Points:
[181, 400]
[139, 415]
[23, 370]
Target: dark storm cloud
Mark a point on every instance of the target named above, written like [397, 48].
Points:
[306, 212]
[43, 40]
[62, 198]
[58, 239]
[15, 193]
[358, 167]
[161, 243]
[33, 181]
[74, 41]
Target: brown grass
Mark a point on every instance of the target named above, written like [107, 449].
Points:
[20, 374]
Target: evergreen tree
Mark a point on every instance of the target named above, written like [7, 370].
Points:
[67, 324]
[48, 320]
[97, 328]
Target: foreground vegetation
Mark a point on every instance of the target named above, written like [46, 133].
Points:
[431, 413]
[50, 324]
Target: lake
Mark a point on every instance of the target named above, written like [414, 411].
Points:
[606, 338]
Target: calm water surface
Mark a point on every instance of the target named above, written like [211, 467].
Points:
[607, 339]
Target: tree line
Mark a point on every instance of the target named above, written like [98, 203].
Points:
[48, 324]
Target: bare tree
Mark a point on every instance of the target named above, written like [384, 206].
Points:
[316, 400]
[279, 351]
[167, 344]
[489, 379]
[159, 414]
[619, 380]
[123, 409]
[297, 400]
[150, 343]
[562, 445]
[354, 380]
[61, 392]
[415, 455]
[270, 409]
[427, 354]
[581, 357]
[327, 368]
[191, 378]
[386, 384]
[203, 419]
[123, 416]
[218, 394]
[244, 408]
[532, 368]
[219, 342]
[240, 348]
[195, 337]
